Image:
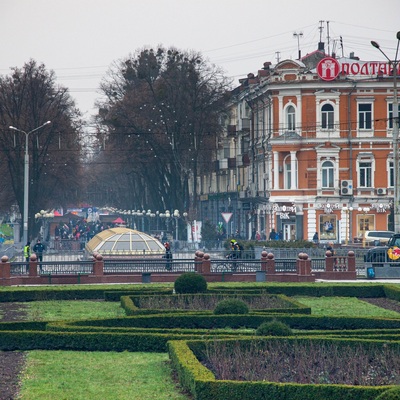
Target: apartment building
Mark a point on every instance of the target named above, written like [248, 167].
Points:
[308, 148]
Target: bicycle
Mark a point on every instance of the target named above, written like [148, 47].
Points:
[230, 264]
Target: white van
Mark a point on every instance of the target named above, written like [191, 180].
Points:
[376, 238]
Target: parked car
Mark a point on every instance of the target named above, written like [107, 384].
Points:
[388, 253]
[375, 238]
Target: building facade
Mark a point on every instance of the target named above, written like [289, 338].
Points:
[308, 147]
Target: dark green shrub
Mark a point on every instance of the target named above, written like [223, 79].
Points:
[231, 306]
[273, 328]
[391, 394]
[190, 282]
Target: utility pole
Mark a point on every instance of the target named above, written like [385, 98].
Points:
[395, 113]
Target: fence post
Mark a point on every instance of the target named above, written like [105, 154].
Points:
[267, 262]
[329, 261]
[98, 265]
[263, 261]
[206, 264]
[198, 256]
[351, 261]
[5, 271]
[33, 264]
[303, 264]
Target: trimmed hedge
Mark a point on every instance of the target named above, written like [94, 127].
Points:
[65, 293]
[193, 377]
[207, 320]
[131, 304]
[312, 290]
[86, 293]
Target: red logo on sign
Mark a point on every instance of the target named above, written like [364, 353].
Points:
[328, 69]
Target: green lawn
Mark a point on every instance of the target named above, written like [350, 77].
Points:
[68, 375]
[72, 309]
[344, 307]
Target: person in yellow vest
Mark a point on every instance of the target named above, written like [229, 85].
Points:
[27, 254]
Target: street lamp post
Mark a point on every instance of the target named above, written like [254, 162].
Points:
[347, 210]
[176, 216]
[45, 217]
[395, 110]
[365, 211]
[26, 177]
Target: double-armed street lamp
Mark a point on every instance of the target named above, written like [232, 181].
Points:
[45, 217]
[347, 210]
[395, 111]
[26, 177]
[364, 211]
[174, 215]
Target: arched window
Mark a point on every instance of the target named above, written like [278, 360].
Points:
[287, 169]
[327, 116]
[328, 174]
[290, 118]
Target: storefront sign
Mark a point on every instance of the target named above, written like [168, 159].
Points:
[380, 207]
[328, 207]
[283, 211]
[329, 68]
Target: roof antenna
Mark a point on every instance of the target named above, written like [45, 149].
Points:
[328, 37]
[298, 36]
[341, 46]
[277, 56]
[321, 45]
[320, 28]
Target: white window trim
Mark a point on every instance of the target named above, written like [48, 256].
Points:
[363, 132]
[366, 158]
[324, 154]
[322, 178]
[324, 132]
[285, 172]
[390, 102]
[285, 113]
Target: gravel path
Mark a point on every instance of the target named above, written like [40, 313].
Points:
[11, 362]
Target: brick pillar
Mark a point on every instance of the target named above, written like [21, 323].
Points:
[198, 256]
[303, 264]
[98, 265]
[206, 264]
[264, 259]
[5, 269]
[351, 261]
[329, 261]
[270, 264]
[33, 265]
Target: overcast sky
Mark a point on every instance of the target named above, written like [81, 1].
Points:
[79, 39]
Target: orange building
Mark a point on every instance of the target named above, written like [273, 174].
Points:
[308, 148]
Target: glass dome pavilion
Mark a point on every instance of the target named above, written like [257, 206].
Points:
[121, 241]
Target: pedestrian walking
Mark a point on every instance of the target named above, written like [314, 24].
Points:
[38, 249]
[168, 256]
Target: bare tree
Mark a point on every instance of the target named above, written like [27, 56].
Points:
[29, 97]
[160, 117]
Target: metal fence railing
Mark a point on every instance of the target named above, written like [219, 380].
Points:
[285, 261]
[112, 266]
[55, 268]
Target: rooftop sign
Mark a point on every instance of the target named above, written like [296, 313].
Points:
[329, 68]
